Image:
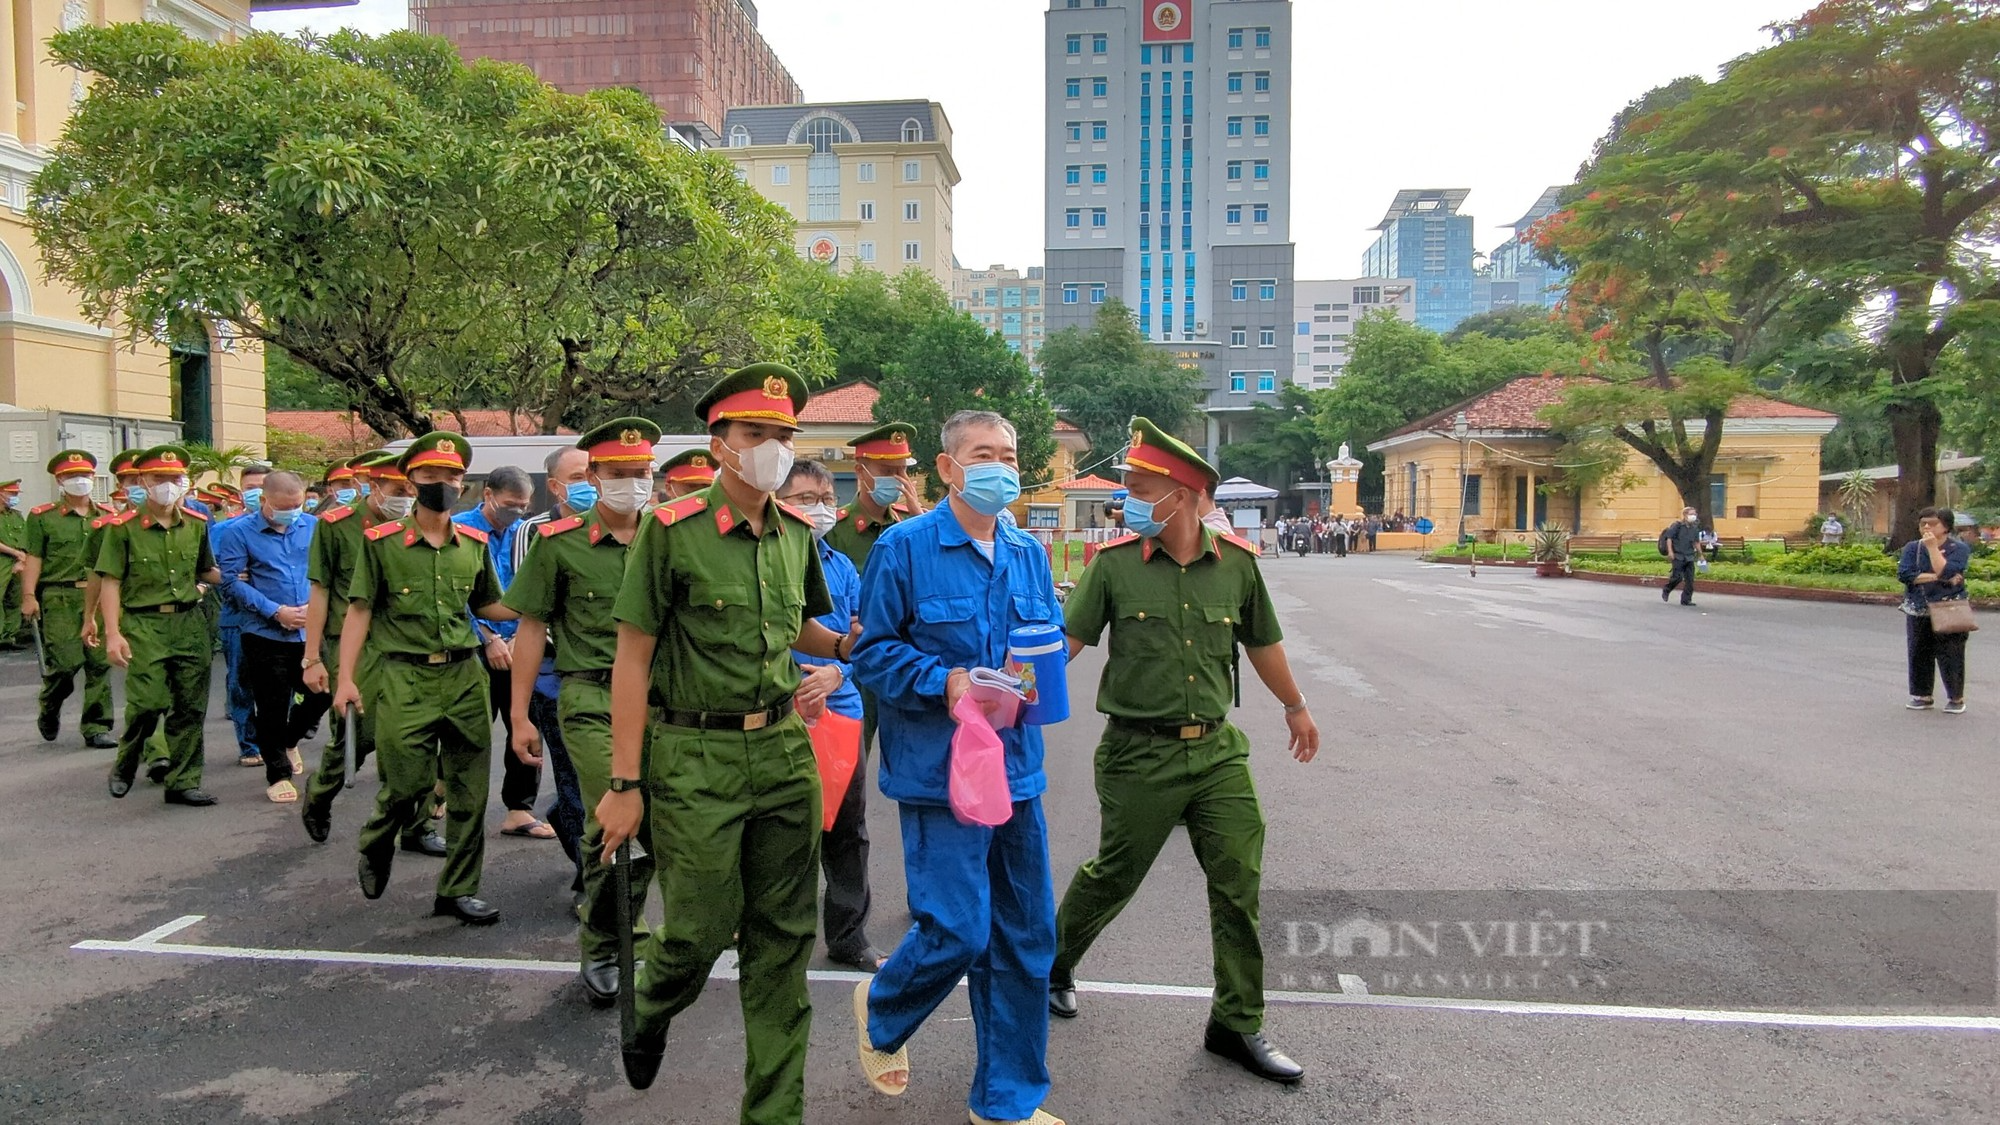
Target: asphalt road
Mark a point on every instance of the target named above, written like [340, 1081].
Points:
[1491, 732]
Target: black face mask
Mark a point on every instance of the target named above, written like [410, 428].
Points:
[439, 496]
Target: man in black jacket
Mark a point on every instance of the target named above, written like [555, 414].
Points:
[1681, 542]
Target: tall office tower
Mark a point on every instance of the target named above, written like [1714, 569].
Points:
[1168, 179]
[694, 58]
[1007, 301]
[1424, 238]
[1515, 276]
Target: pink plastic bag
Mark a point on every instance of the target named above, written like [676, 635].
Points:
[979, 790]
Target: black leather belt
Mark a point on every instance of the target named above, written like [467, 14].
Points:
[170, 607]
[723, 720]
[589, 675]
[1186, 732]
[40, 586]
[432, 659]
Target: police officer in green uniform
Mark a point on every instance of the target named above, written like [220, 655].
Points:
[686, 473]
[566, 589]
[1178, 598]
[718, 587]
[60, 553]
[413, 586]
[330, 562]
[13, 561]
[153, 562]
[884, 491]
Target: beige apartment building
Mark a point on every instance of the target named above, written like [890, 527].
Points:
[868, 182]
[51, 357]
[1008, 302]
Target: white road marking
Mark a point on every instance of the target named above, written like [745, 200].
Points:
[1354, 994]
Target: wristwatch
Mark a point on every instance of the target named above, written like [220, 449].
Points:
[624, 784]
[308, 663]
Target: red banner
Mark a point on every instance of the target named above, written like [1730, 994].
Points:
[1168, 21]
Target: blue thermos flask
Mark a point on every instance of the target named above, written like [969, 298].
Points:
[1039, 655]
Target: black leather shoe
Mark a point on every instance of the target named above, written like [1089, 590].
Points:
[375, 872]
[868, 959]
[1252, 1053]
[430, 843]
[318, 824]
[100, 742]
[643, 1057]
[118, 785]
[48, 726]
[193, 798]
[465, 908]
[156, 772]
[1062, 999]
[600, 982]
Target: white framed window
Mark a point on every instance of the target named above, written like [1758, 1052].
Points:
[739, 137]
[867, 211]
[1267, 382]
[1267, 337]
[912, 211]
[1073, 218]
[913, 251]
[912, 171]
[913, 132]
[1075, 132]
[1267, 290]
[864, 172]
[1239, 337]
[1069, 295]
[1233, 214]
[1239, 382]
[1099, 217]
[865, 251]
[1239, 290]
[781, 174]
[1100, 43]
[1073, 45]
[1097, 294]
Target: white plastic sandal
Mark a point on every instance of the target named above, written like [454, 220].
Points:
[1041, 1117]
[874, 1063]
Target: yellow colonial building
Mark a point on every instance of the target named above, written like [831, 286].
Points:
[1765, 484]
[54, 360]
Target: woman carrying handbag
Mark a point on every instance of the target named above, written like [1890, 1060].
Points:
[1939, 613]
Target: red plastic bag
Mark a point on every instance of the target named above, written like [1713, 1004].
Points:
[837, 745]
[979, 791]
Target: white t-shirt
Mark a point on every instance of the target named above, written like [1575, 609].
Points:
[985, 547]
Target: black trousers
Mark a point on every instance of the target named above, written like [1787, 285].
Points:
[1683, 576]
[1340, 545]
[519, 781]
[1934, 654]
[843, 858]
[284, 709]
[565, 813]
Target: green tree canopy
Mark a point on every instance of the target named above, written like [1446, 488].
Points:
[953, 363]
[1103, 376]
[1277, 446]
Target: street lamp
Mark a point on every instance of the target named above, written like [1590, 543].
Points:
[1461, 428]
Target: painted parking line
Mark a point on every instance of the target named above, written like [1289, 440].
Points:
[150, 943]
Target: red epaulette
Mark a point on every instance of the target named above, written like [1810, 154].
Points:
[792, 512]
[336, 514]
[557, 527]
[1241, 542]
[477, 535]
[100, 521]
[384, 530]
[124, 518]
[36, 511]
[669, 514]
[1120, 542]
[186, 511]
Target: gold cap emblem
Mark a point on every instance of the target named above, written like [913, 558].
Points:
[170, 458]
[898, 441]
[775, 387]
[699, 461]
[630, 438]
[1138, 438]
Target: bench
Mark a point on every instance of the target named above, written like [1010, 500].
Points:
[1800, 542]
[1727, 543]
[1596, 544]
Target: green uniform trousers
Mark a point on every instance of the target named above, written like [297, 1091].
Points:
[330, 778]
[62, 644]
[431, 723]
[10, 604]
[736, 820]
[1145, 786]
[583, 707]
[166, 684]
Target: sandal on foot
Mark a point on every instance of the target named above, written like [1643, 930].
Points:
[874, 1063]
[533, 830]
[1041, 1117]
[282, 793]
[298, 761]
[249, 760]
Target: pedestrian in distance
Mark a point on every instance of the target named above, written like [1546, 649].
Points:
[1831, 531]
[1680, 541]
[1932, 569]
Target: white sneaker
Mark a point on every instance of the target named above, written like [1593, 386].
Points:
[1954, 707]
[1918, 703]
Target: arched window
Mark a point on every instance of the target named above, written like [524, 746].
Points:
[739, 137]
[822, 133]
[913, 131]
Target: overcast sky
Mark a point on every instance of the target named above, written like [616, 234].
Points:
[1500, 96]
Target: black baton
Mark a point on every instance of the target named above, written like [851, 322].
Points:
[621, 886]
[41, 650]
[347, 741]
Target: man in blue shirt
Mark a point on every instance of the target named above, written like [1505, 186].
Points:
[229, 620]
[499, 514]
[941, 593]
[262, 557]
[843, 850]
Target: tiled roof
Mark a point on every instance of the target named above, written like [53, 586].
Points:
[1093, 483]
[341, 426]
[843, 405]
[1517, 405]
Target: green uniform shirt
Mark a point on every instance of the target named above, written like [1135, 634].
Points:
[330, 560]
[1173, 627]
[61, 538]
[570, 582]
[725, 607]
[13, 528]
[854, 534]
[153, 563]
[421, 595]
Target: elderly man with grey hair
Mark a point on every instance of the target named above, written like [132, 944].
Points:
[940, 595]
[501, 509]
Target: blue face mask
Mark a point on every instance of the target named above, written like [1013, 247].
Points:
[345, 495]
[135, 495]
[366, 488]
[886, 491]
[312, 503]
[1139, 516]
[253, 498]
[990, 486]
[283, 517]
[581, 496]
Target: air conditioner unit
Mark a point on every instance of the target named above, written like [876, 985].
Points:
[1201, 327]
[830, 453]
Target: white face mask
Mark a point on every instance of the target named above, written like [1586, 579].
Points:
[398, 507]
[168, 494]
[765, 466]
[76, 486]
[823, 518]
[624, 495]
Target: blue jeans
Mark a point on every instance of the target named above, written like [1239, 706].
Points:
[985, 909]
[565, 813]
[241, 703]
